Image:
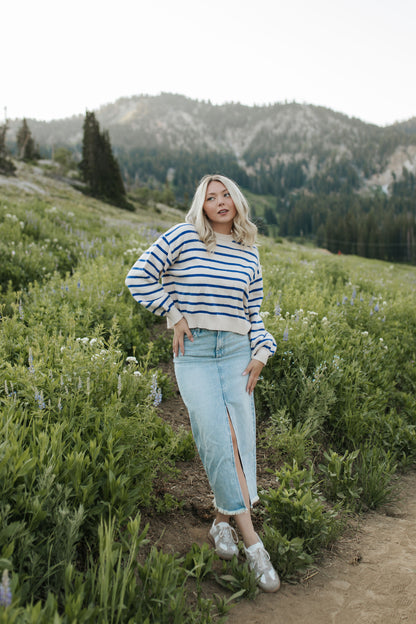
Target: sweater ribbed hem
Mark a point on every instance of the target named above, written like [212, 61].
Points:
[216, 323]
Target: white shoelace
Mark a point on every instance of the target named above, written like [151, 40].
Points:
[228, 535]
[260, 560]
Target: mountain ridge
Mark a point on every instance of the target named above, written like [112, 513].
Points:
[261, 140]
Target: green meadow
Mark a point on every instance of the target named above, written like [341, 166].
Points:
[82, 444]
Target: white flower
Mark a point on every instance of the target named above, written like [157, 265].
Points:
[381, 340]
[93, 341]
[264, 314]
[84, 340]
[137, 374]
[364, 333]
[131, 359]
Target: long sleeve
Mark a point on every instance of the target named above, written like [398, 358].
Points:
[262, 342]
[143, 279]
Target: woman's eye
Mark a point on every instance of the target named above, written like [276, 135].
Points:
[226, 195]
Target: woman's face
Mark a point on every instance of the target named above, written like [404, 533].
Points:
[219, 207]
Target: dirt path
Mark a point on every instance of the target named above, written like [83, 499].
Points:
[370, 580]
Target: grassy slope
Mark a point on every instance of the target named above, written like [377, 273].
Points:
[342, 381]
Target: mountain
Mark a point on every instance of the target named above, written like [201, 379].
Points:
[269, 149]
[310, 172]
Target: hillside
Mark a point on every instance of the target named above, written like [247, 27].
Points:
[290, 142]
[105, 506]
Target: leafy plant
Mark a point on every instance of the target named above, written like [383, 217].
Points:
[238, 578]
[296, 509]
[340, 478]
[287, 555]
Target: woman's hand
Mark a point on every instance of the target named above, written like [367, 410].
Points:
[253, 371]
[179, 330]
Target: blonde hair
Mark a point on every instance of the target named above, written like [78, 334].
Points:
[244, 231]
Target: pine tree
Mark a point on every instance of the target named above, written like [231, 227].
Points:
[99, 168]
[25, 143]
[6, 165]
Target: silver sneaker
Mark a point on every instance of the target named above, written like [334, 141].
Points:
[259, 560]
[224, 539]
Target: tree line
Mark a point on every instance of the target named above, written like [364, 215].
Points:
[379, 226]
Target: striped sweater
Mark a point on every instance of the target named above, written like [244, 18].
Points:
[220, 290]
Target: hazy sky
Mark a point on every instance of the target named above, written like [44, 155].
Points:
[354, 56]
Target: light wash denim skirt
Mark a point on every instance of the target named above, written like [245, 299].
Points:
[212, 386]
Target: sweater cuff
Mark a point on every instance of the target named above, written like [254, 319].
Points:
[262, 355]
[174, 316]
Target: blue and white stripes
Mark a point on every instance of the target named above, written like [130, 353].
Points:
[219, 290]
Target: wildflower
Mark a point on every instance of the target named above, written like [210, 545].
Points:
[137, 374]
[21, 315]
[286, 334]
[376, 308]
[5, 590]
[131, 359]
[59, 404]
[93, 341]
[155, 392]
[354, 293]
[31, 367]
[277, 310]
[264, 314]
[88, 385]
[119, 387]
[364, 333]
[84, 340]
[40, 400]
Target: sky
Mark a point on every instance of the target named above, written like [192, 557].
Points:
[357, 57]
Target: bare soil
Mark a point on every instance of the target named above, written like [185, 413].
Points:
[369, 577]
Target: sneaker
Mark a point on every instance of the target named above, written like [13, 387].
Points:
[224, 539]
[259, 560]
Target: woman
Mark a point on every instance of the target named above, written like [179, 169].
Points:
[210, 292]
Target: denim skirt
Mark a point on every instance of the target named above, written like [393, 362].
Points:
[212, 387]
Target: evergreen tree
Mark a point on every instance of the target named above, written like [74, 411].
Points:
[25, 143]
[99, 168]
[6, 165]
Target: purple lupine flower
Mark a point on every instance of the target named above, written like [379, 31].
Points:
[277, 310]
[31, 367]
[40, 400]
[5, 590]
[286, 334]
[376, 308]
